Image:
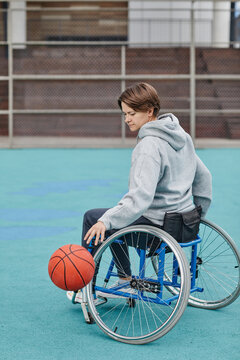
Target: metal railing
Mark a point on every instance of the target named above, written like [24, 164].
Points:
[122, 77]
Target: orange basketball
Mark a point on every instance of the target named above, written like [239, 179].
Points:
[71, 267]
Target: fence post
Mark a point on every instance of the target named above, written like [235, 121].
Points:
[192, 78]
[123, 86]
[10, 79]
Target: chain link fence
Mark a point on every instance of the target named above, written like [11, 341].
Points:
[59, 86]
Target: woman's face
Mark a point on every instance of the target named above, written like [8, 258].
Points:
[136, 119]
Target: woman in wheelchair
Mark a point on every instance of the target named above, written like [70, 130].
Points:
[169, 186]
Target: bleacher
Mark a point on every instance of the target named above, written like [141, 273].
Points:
[211, 95]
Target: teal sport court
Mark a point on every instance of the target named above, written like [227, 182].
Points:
[44, 194]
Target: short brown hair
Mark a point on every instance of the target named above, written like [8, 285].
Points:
[140, 97]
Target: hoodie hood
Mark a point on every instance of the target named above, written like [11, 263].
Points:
[166, 127]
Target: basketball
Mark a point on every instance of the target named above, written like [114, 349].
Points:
[71, 267]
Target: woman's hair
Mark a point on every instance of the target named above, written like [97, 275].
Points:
[141, 97]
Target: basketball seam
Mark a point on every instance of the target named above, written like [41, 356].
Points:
[73, 252]
[66, 255]
[74, 266]
[84, 260]
[77, 250]
[55, 265]
[65, 280]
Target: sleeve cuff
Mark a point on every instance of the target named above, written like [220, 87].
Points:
[105, 222]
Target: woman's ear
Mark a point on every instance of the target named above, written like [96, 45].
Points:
[150, 112]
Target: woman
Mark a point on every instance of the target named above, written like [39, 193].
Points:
[166, 175]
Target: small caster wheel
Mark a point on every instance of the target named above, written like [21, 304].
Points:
[90, 319]
[131, 302]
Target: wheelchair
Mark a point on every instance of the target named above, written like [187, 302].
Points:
[166, 276]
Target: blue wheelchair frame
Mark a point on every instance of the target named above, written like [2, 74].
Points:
[161, 251]
[174, 275]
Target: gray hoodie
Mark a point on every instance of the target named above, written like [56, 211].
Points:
[166, 176]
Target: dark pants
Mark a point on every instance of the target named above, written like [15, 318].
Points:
[119, 251]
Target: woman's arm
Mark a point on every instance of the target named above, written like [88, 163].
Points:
[144, 176]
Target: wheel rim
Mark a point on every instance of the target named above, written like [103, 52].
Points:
[218, 270]
[141, 320]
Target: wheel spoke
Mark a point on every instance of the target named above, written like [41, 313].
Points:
[144, 315]
[218, 274]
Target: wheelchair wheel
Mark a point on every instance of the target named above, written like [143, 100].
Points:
[218, 269]
[141, 310]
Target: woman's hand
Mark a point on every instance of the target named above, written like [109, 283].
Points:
[96, 230]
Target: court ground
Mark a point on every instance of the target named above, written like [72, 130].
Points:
[44, 194]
